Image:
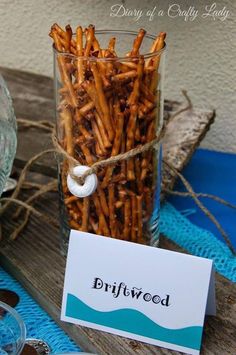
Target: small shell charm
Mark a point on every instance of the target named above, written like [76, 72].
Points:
[89, 185]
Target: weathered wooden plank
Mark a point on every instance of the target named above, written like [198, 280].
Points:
[35, 260]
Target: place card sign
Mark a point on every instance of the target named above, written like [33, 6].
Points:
[140, 292]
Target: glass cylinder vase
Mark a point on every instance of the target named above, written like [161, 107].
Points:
[107, 104]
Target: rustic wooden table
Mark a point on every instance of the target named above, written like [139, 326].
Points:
[34, 259]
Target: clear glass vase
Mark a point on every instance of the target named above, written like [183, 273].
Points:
[8, 138]
[108, 104]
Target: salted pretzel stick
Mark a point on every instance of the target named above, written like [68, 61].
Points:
[147, 155]
[94, 225]
[147, 93]
[74, 225]
[102, 224]
[137, 42]
[64, 74]
[70, 199]
[119, 204]
[115, 148]
[87, 154]
[86, 108]
[89, 40]
[103, 201]
[85, 214]
[155, 47]
[127, 218]
[133, 217]
[111, 199]
[123, 162]
[98, 137]
[79, 52]
[111, 44]
[102, 101]
[64, 43]
[90, 89]
[79, 205]
[124, 76]
[156, 61]
[62, 34]
[68, 38]
[139, 218]
[147, 105]
[139, 182]
[137, 134]
[136, 89]
[130, 132]
[97, 48]
[102, 130]
[66, 116]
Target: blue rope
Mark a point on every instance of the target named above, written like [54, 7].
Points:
[197, 241]
[38, 324]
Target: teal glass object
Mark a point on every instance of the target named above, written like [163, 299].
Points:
[8, 137]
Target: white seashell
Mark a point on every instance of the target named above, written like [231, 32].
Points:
[89, 185]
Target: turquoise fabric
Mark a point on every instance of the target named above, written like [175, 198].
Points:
[197, 241]
[38, 324]
[175, 226]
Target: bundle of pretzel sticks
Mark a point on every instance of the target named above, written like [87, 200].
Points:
[109, 106]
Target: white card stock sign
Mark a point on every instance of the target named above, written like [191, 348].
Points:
[140, 292]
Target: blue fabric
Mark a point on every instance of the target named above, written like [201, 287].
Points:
[197, 241]
[38, 324]
[214, 173]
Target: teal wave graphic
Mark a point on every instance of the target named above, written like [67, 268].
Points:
[135, 322]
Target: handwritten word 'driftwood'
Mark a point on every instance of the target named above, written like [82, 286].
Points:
[133, 292]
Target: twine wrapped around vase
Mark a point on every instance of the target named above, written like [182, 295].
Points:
[52, 186]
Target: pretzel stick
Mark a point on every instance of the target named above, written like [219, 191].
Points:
[102, 130]
[68, 38]
[156, 61]
[111, 44]
[136, 89]
[128, 75]
[133, 217]
[79, 52]
[111, 199]
[102, 224]
[139, 218]
[103, 201]
[86, 108]
[98, 137]
[115, 148]
[89, 40]
[137, 42]
[127, 215]
[103, 102]
[85, 214]
[90, 89]
[66, 116]
[147, 156]
[62, 67]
